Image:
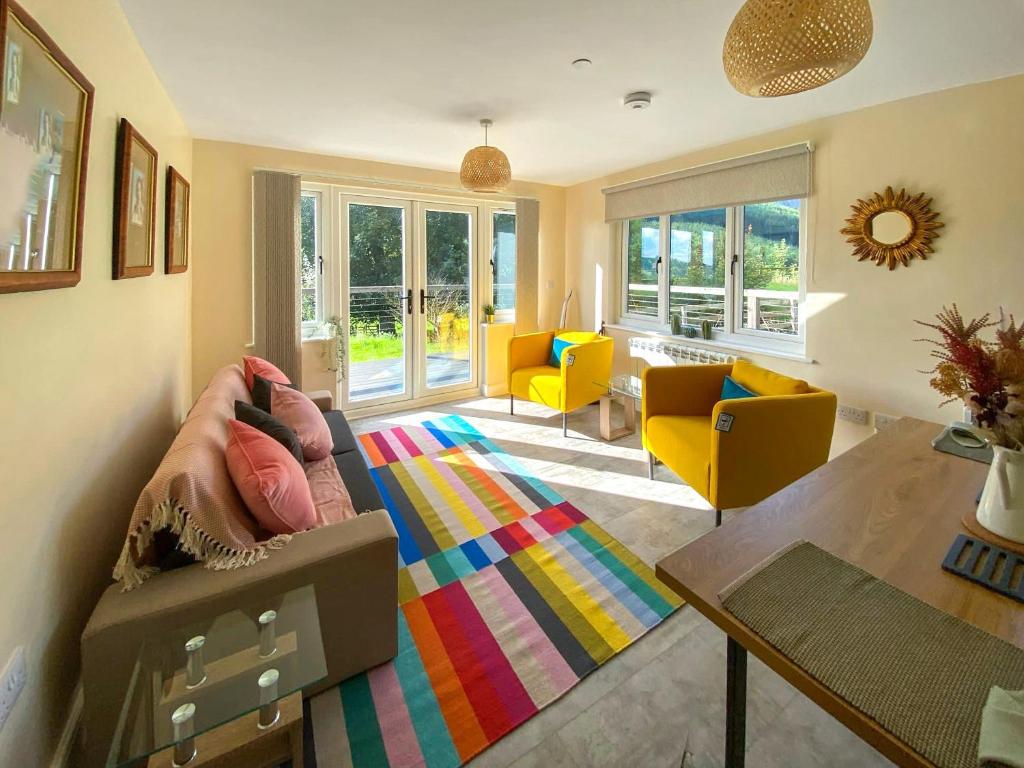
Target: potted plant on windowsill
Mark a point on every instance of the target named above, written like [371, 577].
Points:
[488, 310]
[988, 376]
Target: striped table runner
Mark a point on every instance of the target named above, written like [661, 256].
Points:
[508, 596]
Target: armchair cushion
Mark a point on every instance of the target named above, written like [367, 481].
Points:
[563, 341]
[733, 391]
[539, 383]
[684, 444]
[765, 382]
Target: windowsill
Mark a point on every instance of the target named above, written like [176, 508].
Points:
[316, 337]
[717, 344]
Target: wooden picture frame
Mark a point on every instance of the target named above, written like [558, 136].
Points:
[176, 220]
[46, 106]
[135, 187]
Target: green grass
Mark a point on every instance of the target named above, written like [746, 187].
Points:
[362, 349]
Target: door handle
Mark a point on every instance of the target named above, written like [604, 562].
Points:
[423, 300]
[407, 298]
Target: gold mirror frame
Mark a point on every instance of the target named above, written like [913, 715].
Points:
[917, 244]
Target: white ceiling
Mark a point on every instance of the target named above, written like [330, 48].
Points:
[405, 81]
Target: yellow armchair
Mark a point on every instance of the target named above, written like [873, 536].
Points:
[576, 382]
[735, 453]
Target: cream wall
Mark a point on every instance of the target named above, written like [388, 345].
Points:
[961, 146]
[222, 233]
[95, 380]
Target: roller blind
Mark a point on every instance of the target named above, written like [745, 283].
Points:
[276, 247]
[777, 174]
[527, 263]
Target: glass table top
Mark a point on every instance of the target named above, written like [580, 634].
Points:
[216, 671]
[624, 384]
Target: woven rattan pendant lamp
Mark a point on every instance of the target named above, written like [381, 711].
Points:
[485, 168]
[780, 47]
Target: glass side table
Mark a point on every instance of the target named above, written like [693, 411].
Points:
[226, 691]
[630, 389]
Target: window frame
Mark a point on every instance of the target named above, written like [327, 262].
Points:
[732, 331]
[312, 328]
[489, 210]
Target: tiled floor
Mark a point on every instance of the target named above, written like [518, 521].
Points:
[667, 691]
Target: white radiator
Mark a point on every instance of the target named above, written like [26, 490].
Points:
[656, 352]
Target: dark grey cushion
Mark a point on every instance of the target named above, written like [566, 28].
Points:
[362, 489]
[261, 392]
[341, 432]
[267, 424]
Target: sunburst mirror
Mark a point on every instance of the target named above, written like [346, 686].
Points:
[892, 228]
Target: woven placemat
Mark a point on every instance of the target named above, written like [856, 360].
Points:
[920, 673]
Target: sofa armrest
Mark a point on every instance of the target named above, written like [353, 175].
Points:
[587, 378]
[353, 567]
[682, 390]
[773, 440]
[527, 350]
[322, 398]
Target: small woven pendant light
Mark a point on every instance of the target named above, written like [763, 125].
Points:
[780, 47]
[485, 168]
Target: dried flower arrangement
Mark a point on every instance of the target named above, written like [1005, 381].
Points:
[987, 375]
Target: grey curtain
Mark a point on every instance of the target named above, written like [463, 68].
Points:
[527, 263]
[773, 175]
[276, 248]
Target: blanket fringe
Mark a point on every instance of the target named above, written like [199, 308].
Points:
[169, 515]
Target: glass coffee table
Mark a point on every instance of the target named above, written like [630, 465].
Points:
[630, 389]
[226, 691]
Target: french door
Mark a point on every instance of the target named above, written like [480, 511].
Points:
[408, 298]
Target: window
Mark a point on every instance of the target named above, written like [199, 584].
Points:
[739, 268]
[503, 261]
[312, 263]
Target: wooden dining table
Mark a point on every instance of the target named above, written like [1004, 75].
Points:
[891, 505]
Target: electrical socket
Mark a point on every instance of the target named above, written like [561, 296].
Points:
[12, 682]
[849, 413]
[884, 421]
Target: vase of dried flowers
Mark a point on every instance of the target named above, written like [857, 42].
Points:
[988, 376]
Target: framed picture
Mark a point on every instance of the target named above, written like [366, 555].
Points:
[45, 119]
[134, 204]
[176, 223]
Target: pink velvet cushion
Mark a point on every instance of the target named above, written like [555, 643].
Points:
[269, 480]
[257, 366]
[298, 412]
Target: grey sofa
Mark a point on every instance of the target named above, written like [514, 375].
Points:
[353, 567]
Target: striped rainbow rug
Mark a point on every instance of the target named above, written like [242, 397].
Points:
[508, 597]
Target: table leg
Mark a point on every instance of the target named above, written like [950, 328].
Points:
[735, 704]
[606, 417]
[629, 404]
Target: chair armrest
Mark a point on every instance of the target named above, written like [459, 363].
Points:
[322, 399]
[772, 442]
[586, 379]
[528, 349]
[353, 567]
[682, 390]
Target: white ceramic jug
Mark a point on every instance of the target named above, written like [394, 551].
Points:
[1001, 508]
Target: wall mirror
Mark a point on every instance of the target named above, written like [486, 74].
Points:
[891, 228]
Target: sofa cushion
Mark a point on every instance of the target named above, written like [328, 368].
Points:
[731, 390]
[192, 494]
[341, 432]
[257, 366]
[299, 413]
[765, 382]
[540, 383]
[269, 479]
[361, 488]
[331, 498]
[565, 340]
[268, 425]
[261, 389]
[683, 443]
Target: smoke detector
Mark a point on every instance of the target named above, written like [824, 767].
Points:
[637, 100]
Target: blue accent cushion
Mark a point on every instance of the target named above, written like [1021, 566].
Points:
[558, 346]
[733, 391]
